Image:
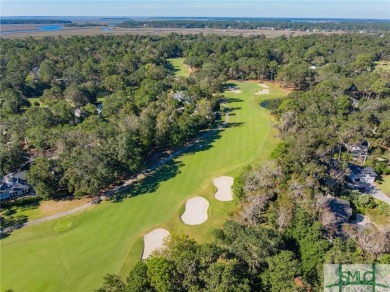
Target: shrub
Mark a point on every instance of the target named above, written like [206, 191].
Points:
[366, 201]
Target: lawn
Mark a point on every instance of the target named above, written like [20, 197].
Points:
[384, 185]
[48, 208]
[74, 253]
[179, 68]
[101, 95]
[383, 65]
[378, 215]
[33, 100]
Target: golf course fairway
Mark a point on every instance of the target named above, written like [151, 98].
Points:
[179, 68]
[74, 253]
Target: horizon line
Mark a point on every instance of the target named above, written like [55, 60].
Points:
[249, 17]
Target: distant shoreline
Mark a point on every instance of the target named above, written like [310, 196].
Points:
[246, 26]
[304, 19]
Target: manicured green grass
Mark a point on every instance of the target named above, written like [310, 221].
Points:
[101, 95]
[179, 68]
[378, 215]
[32, 100]
[384, 66]
[74, 253]
[385, 184]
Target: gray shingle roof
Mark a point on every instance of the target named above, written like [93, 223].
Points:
[14, 183]
[341, 208]
[362, 170]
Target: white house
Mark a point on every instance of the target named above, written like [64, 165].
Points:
[361, 174]
[14, 185]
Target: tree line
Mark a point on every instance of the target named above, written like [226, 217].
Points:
[91, 110]
[52, 97]
[278, 24]
[285, 230]
[79, 142]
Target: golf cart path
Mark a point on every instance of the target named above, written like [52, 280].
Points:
[128, 182]
[59, 215]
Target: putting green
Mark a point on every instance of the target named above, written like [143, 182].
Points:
[75, 252]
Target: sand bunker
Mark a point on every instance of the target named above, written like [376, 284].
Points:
[264, 91]
[196, 211]
[224, 186]
[153, 241]
[233, 89]
[263, 85]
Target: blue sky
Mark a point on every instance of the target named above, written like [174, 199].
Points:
[259, 8]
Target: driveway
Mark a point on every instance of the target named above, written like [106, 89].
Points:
[377, 194]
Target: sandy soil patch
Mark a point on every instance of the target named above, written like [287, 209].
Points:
[233, 90]
[224, 186]
[196, 211]
[264, 91]
[153, 241]
[263, 85]
[189, 69]
[48, 208]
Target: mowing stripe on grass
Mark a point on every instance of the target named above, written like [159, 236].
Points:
[75, 252]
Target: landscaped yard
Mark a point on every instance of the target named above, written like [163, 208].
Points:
[35, 101]
[380, 215]
[75, 252]
[383, 65]
[384, 186]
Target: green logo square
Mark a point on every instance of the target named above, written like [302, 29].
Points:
[357, 277]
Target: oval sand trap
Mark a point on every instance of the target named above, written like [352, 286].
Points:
[196, 211]
[263, 85]
[224, 186]
[264, 91]
[154, 240]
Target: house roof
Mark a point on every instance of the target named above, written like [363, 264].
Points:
[355, 102]
[362, 170]
[179, 96]
[14, 183]
[341, 208]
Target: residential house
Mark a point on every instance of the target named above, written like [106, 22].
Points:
[14, 185]
[355, 102]
[179, 96]
[335, 211]
[359, 151]
[361, 174]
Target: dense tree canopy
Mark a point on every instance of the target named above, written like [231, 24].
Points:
[91, 111]
[253, 23]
